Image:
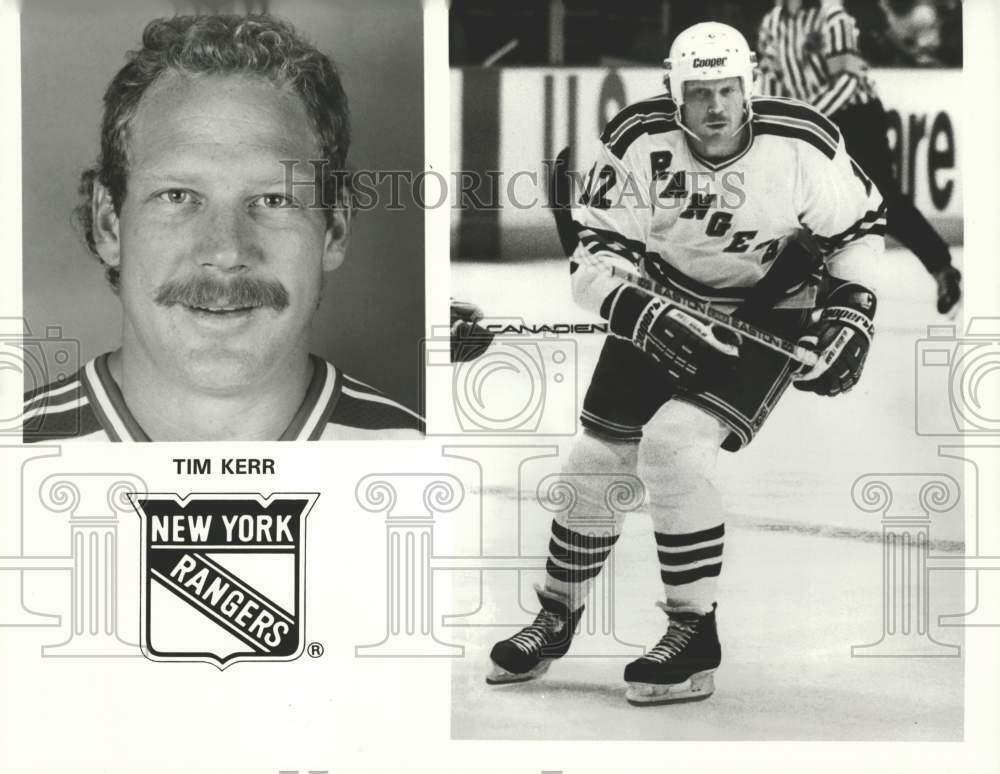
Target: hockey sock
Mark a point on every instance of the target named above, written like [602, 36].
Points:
[690, 564]
[582, 539]
[574, 561]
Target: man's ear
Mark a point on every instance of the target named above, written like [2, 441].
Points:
[107, 238]
[338, 235]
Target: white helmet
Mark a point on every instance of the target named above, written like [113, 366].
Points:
[708, 51]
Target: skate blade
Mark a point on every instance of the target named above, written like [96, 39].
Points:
[500, 676]
[698, 687]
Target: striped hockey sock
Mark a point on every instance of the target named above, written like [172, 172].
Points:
[574, 561]
[690, 564]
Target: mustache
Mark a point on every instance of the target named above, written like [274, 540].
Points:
[206, 291]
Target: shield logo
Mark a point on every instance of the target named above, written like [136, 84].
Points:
[223, 576]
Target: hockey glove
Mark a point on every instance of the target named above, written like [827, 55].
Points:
[468, 340]
[949, 287]
[841, 333]
[692, 352]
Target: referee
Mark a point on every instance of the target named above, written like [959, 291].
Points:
[809, 51]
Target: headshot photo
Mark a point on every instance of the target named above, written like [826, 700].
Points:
[196, 267]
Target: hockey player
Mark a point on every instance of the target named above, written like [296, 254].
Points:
[731, 178]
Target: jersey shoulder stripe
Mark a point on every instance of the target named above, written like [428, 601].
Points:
[58, 412]
[46, 398]
[597, 240]
[793, 131]
[794, 110]
[90, 406]
[52, 389]
[362, 406]
[871, 223]
[658, 105]
[651, 116]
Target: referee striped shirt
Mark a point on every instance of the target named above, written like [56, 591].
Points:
[812, 55]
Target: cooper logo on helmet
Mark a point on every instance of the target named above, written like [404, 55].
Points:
[717, 61]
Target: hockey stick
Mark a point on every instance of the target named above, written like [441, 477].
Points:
[705, 310]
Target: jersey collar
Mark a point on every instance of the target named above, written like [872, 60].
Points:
[715, 166]
[117, 421]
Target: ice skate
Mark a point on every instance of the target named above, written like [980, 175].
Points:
[530, 652]
[680, 667]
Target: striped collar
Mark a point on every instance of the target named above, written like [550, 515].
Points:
[715, 166]
[117, 421]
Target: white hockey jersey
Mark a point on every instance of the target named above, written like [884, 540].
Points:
[90, 407]
[652, 205]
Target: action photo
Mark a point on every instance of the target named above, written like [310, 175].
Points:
[707, 279]
[198, 263]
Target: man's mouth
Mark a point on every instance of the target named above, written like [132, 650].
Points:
[221, 310]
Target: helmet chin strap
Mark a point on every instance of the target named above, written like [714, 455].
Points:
[749, 117]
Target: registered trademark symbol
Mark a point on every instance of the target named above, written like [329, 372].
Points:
[315, 649]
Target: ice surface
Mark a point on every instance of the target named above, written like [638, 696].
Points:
[802, 580]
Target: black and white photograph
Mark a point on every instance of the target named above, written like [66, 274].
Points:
[712, 254]
[639, 360]
[199, 262]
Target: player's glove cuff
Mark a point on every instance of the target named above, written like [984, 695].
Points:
[630, 313]
[848, 317]
[840, 334]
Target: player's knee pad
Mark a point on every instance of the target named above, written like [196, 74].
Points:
[592, 452]
[678, 458]
[593, 463]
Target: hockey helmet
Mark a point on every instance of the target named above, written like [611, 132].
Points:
[709, 51]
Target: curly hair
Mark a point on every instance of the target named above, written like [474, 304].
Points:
[256, 45]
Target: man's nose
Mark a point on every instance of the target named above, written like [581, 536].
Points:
[227, 241]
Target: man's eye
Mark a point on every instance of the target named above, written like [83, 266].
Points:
[274, 201]
[176, 196]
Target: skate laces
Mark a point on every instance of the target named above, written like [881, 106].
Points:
[536, 635]
[679, 633]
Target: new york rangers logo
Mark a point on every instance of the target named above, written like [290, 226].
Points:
[223, 576]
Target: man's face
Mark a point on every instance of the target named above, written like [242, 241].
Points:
[713, 109]
[221, 268]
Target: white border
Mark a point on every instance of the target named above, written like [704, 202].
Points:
[10, 194]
